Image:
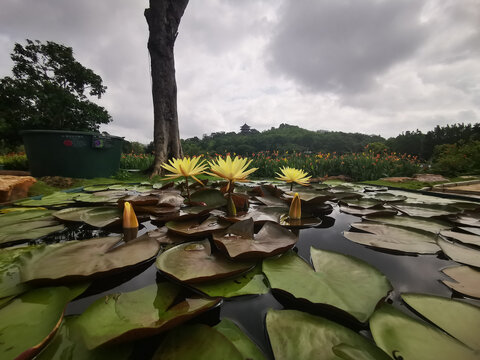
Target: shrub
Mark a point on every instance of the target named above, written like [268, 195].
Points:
[457, 159]
[14, 161]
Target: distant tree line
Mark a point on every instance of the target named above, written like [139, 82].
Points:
[293, 138]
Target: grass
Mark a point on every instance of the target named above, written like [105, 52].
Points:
[412, 184]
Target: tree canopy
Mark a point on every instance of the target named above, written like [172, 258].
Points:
[48, 90]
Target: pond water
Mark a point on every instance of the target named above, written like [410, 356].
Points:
[407, 273]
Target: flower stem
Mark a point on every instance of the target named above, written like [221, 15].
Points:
[188, 190]
[291, 186]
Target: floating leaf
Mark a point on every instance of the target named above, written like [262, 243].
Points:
[102, 187]
[59, 198]
[401, 336]
[259, 214]
[10, 265]
[366, 212]
[306, 221]
[464, 238]
[337, 280]
[94, 216]
[139, 200]
[459, 319]
[431, 225]
[30, 320]
[467, 280]
[426, 210]
[298, 335]
[250, 283]
[29, 230]
[467, 220]
[460, 253]
[390, 237]
[194, 262]
[68, 340]
[163, 236]
[388, 197]
[239, 242]
[212, 199]
[96, 199]
[16, 217]
[348, 352]
[145, 312]
[82, 259]
[471, 230]
[361, 203]
[197, 342]
[196, 227]
[238, 338]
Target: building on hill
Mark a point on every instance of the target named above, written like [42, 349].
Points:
[246, 130]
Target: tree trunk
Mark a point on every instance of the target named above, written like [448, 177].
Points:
[163, 18]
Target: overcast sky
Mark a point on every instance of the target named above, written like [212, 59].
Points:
[369, 66]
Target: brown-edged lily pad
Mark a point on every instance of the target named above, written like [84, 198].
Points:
[194, 262]
[239, 241]
[259, 214]
[29, 230]
[466, 280]
[336, 280]
[366, 212]
[29, 321]
[467, 220]
[388, 197]
[145, 312]
[197, 227]
[361, 203]
[426, 210]
[470, 230]
[83, 259]
[460, 253]
[100, 216]
[433, 226]
[464, 238]
[395, 238]
[208, 198]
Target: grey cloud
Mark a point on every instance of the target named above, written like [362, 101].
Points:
[341, 46]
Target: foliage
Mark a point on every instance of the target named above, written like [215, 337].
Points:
[457, 159]
[14, 161]
[48, 90]
[136, 161]
[134, 147]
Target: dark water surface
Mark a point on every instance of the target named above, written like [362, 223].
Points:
[419, 274]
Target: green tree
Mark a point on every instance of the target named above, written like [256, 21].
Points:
[48, 90]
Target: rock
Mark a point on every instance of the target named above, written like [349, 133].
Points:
[429, 177]
[398, 179]
[14, 187]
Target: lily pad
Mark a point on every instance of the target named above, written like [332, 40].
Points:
[29, 321]
[196, 227]
[390, 237]
[401, 336]
[467, 280]
[348, 352]
[259, 214]
[337, 280]
[366, 212]
[145, 312]
[56, 199]
[426, 210]
[212, 199]
[96, 199]
[459, 319]
[361, 203]
[239, 241]
[163, 236]
[10, 265]
[433, 226]
[87, 258]
[68, 340]
[95, 188]
[388, 197]
[305, 222]
[298, 335]
[464, 238]
[194, 262]
[15, 217]
[460, 253]
[250, 283]
[94, 216]
[197, 342]
[470, 230]
[467, 220]
[29, 230]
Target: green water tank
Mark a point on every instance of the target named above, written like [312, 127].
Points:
[74, 154]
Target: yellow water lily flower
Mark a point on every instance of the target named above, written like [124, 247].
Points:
[231, 170]
[129, 218]
[295, 212]
[291, 175]
[185, 167]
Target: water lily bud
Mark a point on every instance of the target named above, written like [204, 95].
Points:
[231, 208]
[129, 218]
[295, 212]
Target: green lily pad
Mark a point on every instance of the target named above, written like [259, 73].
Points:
[212, 199]
[337, 280]
[56, 199]
[366, 212]
[305, 222]
[145, 312]
[29, 321]
[95, 188]
[239, 241]
[459, 319]
[463, 238]
[237, 337]
[197, 342]
[431, 225]
[467, 280]
[196, 227]
[95, 198]
[388, 197]
[250, 283]
[68, 342]
[401, 336]
[348, 352]
[16, 217]
[10, 265]
[29, 230]
[364, 203]
[460, 253]
[194, 262]
[426, 210]
[100, 216]
[83, 259]
[298, 335]
[139, 200]
[390, 237]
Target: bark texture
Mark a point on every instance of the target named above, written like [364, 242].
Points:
[163, 18]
